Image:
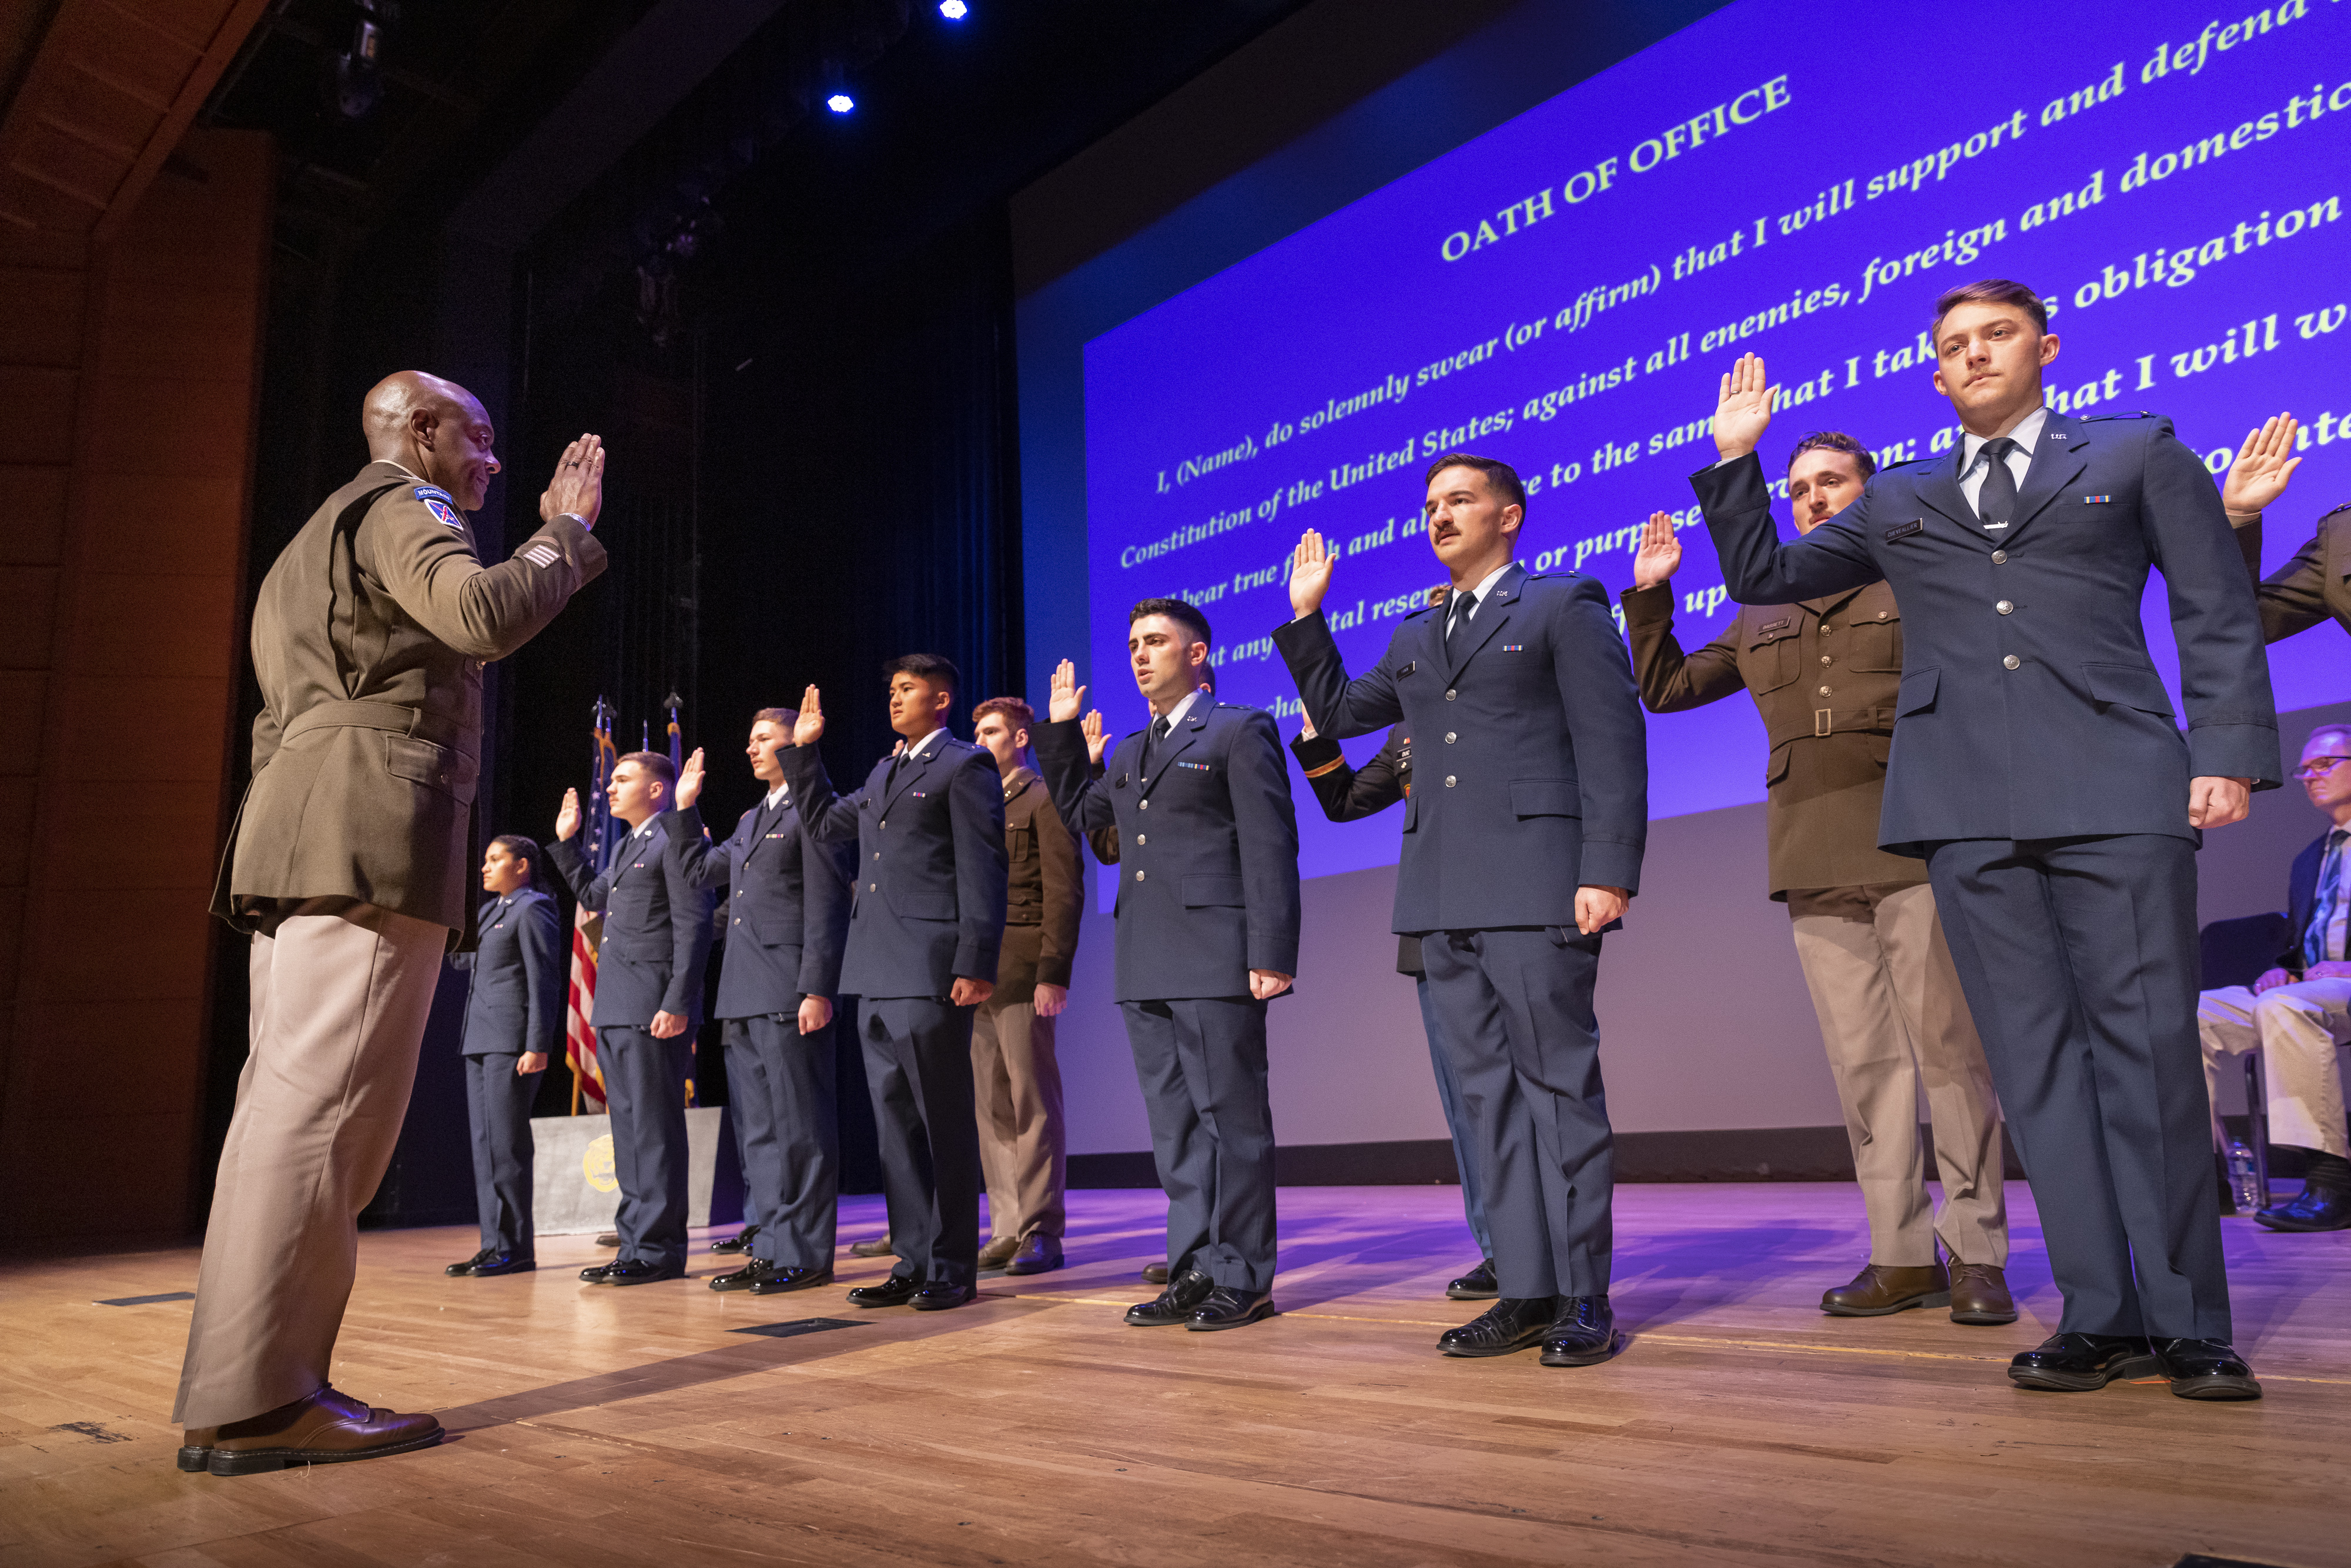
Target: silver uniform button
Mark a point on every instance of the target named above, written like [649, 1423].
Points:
[2011, 662]
[738, 920]
[1143, 805]
[1141, 840]
[1448, 781]
[2000, 557]
[1138, 876]
[877, 854]
[885, 822]
[1448, 737]
[873, 887]
[1449, 697]
[2005, 607]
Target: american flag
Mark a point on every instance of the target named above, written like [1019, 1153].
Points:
[587, 924]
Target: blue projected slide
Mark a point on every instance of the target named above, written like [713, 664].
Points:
[1564, 291]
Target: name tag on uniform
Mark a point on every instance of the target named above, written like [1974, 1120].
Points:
[1123, 781]
[1408, 669]
[1779, 625]
[1904, 530]
[2096, 500]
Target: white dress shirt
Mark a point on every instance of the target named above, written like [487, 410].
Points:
[1481, 591]
[776, 794]
[1974, 464]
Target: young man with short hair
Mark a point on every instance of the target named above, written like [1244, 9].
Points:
[1521, 846]
[1207, 935]
[649, 971]
[2037, 769]
[1023, 1142]
[786, 919]
[1825, 673]
[925, 927]
[2299, 1011]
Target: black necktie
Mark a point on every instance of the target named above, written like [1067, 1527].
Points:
[1151, 746]
[1996, 502]
[1463, 604]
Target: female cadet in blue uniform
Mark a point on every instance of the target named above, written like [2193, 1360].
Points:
[513, 1015]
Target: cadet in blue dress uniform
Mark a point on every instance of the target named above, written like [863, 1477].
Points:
[514, 1020]
[787, 911]
[2038, 768]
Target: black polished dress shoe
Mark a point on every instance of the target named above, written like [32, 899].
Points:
[2078, 1363]
[1512, 1324]
[1037, 1255]
[499, 1264]
[1582, 1331]
[1226, 1308]
[2316, 1208]
[641, 1272]
[1479, 1284]
[781, 1279]
[895, 1291]
[746, 1277]
[940, 1294]
[468, 1266]
[1175, 1304]
[2205, 1369]
[739, 1242]
[1154, 1273]
[594, 1273]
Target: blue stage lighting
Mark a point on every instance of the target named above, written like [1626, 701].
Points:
[954, 10]
[840, 103]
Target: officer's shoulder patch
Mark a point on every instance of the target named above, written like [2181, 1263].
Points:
[443, 513]
[433, 493]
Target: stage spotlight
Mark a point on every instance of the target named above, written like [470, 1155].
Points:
[840, 103]
[954, 10]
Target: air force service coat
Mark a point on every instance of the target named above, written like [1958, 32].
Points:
[787, 907]
[927, 895]
[516, 1002]
[369, 639]
[1208, 870]
[1530, 772]
[656, 927]
[2029, 707]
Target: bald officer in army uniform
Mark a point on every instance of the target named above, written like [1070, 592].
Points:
[349, 868]
[1825, 673]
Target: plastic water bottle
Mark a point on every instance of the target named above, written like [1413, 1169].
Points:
[2244, 1180]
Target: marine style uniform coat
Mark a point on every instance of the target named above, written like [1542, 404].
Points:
[1207, 880]
[787, 907]
[516, 1002]
[2030, 708]
[369, 639]
[1509, 813]
[2313, 587]
[1045, 891]
[656, 926]
[1825, 673]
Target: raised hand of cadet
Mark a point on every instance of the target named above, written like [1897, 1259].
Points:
[1743, 411]
[1310, 573]
[578, 487]
[2264, 463]
[809, 728]
[1069, 697]
[1660, 555]
[689, 781]
[566, 816]
[1097, 742]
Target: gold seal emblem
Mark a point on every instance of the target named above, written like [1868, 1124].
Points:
[595, 1165]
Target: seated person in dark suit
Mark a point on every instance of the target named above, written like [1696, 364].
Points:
[2297, 1013]
[1348, 793]
[648, 1006]
[514, 1019]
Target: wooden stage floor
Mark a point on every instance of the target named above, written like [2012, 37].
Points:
[603, 1427]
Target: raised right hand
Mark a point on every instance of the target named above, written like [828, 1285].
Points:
[1310, 574]
[689, 781]
[1660, 555]
[578, 485]
[1744, 409]
[1069, 697]
[566, 816]
[2265, 461]
[1097, 742]
[809, 728]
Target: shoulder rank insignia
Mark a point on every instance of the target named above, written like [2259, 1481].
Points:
[2136, 413]
[1904, 530]
[540, 555]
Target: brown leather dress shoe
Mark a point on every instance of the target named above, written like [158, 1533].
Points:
[327, 1428]
[999, 1252]
[1980, 1295]
[877, 1247]
[1880, 1289]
